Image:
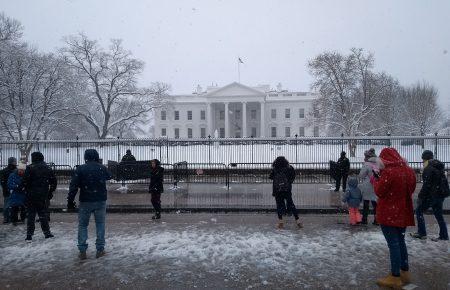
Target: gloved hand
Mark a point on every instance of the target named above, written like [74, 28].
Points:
[71, 205]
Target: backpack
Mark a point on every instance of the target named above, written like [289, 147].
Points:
[443, 186]
[281, 182]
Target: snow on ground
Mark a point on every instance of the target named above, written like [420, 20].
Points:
[203, 250]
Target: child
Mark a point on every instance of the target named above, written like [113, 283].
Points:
[353, 198]
[17, 198]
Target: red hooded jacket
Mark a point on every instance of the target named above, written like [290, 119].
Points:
[394, 189]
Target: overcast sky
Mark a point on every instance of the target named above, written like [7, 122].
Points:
[185, 43]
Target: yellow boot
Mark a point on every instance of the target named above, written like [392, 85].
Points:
[280, 224]
[391, 282]
[405, 276]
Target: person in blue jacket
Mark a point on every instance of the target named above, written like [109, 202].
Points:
[90, 178]
[17, 194]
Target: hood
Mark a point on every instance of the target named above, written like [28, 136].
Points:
[91, 155]
[436, 164]
[390, 157]
[158, 163]
[37, 157]
[128, 152]
[353, 182]
[343, 154]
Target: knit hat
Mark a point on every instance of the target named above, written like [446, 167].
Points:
[12, 161]
[427, 155]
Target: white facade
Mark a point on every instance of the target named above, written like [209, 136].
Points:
[236, 110]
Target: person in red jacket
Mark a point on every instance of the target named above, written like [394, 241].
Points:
[394, 188]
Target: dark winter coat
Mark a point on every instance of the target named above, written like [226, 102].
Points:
[156, 179]
[128, 158]
[290, 174]
[4, 175]
[17, 197]
[39, 180]
[394, 189]
[90, 178]
[353, 196]
[343, 165]
[432, 176]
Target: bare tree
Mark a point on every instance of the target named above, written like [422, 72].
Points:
[10, 29]
[113, 97]
[421, 113]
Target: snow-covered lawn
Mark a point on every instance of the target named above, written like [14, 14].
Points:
[215, 251]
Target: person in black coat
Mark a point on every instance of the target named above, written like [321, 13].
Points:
[156, 186]
[283, 175]
[4, 175]
[342, 170]
[128, 157]
[39, 183]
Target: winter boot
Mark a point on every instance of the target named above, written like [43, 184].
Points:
[100, 254]
[437, 239]
[157, 216]
[390, 282]
[375, 223]
[49, 235]
[418, 236]
[280, 225]
[405, 277]
[82, 256]
[29, 238]
[299, 224]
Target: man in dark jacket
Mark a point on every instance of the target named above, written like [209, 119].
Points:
[342, 170]
[39, 183]
[128, 157]
[91, 179]
[434, 191]
[156, 186]
[4, 175]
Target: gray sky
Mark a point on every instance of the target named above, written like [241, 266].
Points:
[185, 43]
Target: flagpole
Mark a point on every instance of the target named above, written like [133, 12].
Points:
[239, 70]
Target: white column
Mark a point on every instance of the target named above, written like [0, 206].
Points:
[244, 119]
[227, 126]
[209, 120]
[263, 119]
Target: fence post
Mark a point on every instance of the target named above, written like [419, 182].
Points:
[296, 148]
[160, 151]
[77, 144]
[227, 176]
[435, 145]
[118, 149]
[167, 150]
[252, 149]
[342, 142]
[209, 149]
[389, 140]
[37, 145]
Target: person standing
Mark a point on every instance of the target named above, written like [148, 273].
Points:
[366, 173]
[433, 193]
[17, 197]
[282, 176]
[4, 175]
[343, 168]
[353, 198]
[156, 187]
[90, 178]
[39, 183]
[394, 188]
[128, 157]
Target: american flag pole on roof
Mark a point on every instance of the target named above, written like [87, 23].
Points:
[239, 61]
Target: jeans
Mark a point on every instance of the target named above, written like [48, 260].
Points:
[6, 209]
[284, 201]
[436, 204]
[156, 201]
[366, 204]
[344, 182]
[41, 210]
[395, 238]
[98, 208]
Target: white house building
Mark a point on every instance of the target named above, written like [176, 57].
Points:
[236, 110]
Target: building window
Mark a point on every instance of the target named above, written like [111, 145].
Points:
[316, 113]
[189, 135]
[163, 132]
[189, 115]
[238, 115]
[287, 113]
[287, 131]
[202, 115]
[316, 131]
[222, 115]
[222, 133]
[253, 132]
[273, 131]
[176, 133]
[301, 113]
[301, 132]
[273, 113]
[177, 115]
[163, 115]
[253, 114]
[202, 132]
